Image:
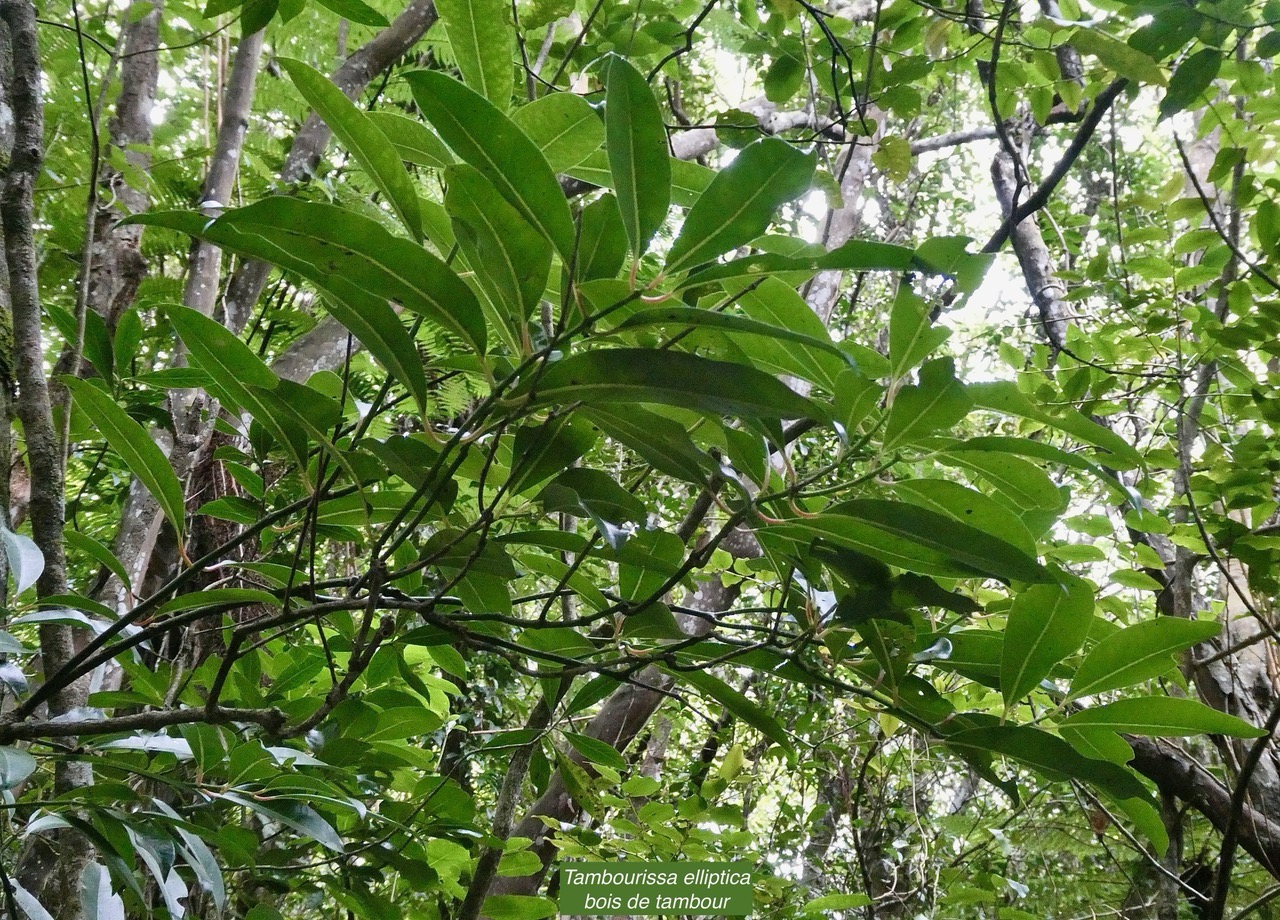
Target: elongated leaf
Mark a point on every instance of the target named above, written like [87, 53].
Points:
[28, 904]
[747, 710]
[482, 135]
[356, 11]
[636, 143]
[939, 401]
[776, 303]
[98, 552]
[1164, 716]
[15, 766]
[961, 503]
[968, 546]
[564, 126]
[741, 201]
[236, 373]
[483, 39]
[362, 138]
[1056, 759]
[130, 441]
[659, 441]
[1190, 81]
[688, 180]
[302, 818]
[96, 896]
[735, 324]
[510, 258]
[639, 375]
[602, 240]
[1004, 396]
[854, 256]
[26, 562]
[1137, 653]
[1046, 624]
[912, 335]
[413, 141]
[1022, 484]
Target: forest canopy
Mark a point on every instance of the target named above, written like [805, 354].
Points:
[446, 441]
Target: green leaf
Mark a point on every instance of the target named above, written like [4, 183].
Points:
[482, 135]
[1004, 396]
[961, 503]
[640, 375]
[134, 446]
[1058, 760]
[836, 902]
[564, 126]
[938, 402]
[1164, 716]
[662, 443]
[745, 709]
[237, 374]
[1118, 57]
[483, 41]
[1046, 624]
[914, 539]
[1024, 484]
[98, 552]
[602, 240]
[413, 141]
[912, 335]
[777, 304]
[1138, 653]
[637, 149]
[544, 450]
[356, 11]
[688, 180]
[510, 258]
[302, 818]
[744, 326]
[1190, 81]
[893, 158]
[596, 751]
[362, 138]
[518, 907]
[740, 202]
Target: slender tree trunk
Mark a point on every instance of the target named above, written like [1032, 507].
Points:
[50, 865]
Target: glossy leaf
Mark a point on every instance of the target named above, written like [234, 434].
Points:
[939, 401]
[26, 562]
[482, 38]
[912, 335]
[413, 141]
[509, 257]
[745, 709]
[1137, 653]
[564, 126]
[741, 201]
[915, 539]
[636, 144]
[1164, 716]
[362, 138]
[483, 136]
[602, 240]
[140, 453]
[637, 375]
[1046, 624]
